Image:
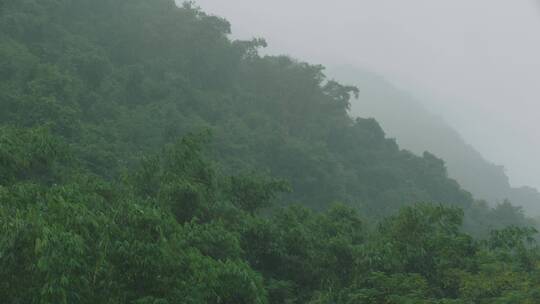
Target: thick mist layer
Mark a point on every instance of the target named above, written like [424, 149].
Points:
[475, 63]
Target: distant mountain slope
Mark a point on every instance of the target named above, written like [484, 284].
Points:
[416, 129]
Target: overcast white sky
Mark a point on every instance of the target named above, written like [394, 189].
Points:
[476, 61]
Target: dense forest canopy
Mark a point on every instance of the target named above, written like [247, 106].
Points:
[145, 157]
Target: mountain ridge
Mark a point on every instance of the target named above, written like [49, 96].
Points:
[405, 118]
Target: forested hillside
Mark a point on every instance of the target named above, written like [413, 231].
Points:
[145, 157]
[405, 118]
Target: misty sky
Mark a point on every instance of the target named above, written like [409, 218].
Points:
[477, 62]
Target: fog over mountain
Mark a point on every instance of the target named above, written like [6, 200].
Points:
[404, 117]
[474, 63]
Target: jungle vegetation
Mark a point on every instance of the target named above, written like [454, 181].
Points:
[147, 158]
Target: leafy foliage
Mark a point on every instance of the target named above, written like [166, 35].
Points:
[113, 190]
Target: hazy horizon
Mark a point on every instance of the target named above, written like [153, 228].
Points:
[475, 63]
